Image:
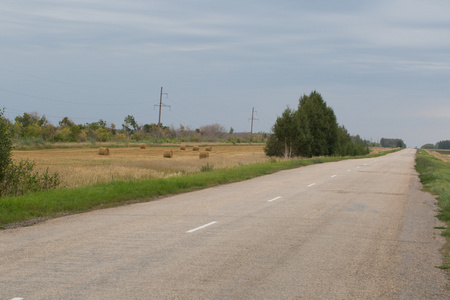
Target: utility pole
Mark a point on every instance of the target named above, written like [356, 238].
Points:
[160, 106]
[253, 113]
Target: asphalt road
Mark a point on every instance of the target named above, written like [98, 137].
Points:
[355, 229]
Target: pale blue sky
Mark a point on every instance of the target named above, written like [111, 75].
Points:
[383, 66]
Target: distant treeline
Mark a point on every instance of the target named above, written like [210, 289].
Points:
[439, 145]
[392, 143]
[31, 128]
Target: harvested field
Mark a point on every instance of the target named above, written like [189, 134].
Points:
[376, 150]
[443, 155]
[83, 166]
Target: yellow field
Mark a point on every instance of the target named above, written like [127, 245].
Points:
[375, 150]
[82, 166]
[442, 155]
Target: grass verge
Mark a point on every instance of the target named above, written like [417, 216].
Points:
[435, 177]
[67, 201]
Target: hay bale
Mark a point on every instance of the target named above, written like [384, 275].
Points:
[209, 148]
[168, 154]
[142, 146]
[182, 147]
[203, 154]
[103, 151]
[195, 148]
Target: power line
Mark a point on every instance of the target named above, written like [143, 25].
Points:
[202, 116]
[61, 81]
[67, 102]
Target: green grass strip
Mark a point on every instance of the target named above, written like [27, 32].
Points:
[62, 201]
[435, 177]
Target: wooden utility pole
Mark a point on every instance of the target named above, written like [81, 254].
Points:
[251, 130]
[253, 118]
[160, 106]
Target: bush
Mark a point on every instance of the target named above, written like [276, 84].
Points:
[31, 141]
[19, 179]
[5, 145]
[274, 147]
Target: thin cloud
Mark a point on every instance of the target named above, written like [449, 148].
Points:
[224, 57]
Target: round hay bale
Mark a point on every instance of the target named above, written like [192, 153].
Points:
[195, 148]
[103, 151]
[168, 154]
[142, 146]
[203, 154]
[182, 147]
[209, 148]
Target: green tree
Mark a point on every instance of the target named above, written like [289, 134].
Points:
[102, 135]
[102, 123]
[130, 125]
[428, 146]
[18, 179]
[350, 145]
[5, 144]
[30, 125]
[344, 145]
[66, 122]
[75, 130]
[443, 144]
[392, 143]
[286, 132]
[318, 127]
[312, 130]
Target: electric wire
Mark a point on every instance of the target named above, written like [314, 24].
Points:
[71, 102]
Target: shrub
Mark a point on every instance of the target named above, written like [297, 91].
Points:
[5, 145]
[31, 141]
[19, 179]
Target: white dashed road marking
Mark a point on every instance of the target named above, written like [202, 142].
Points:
[276, 198]
[201, 227]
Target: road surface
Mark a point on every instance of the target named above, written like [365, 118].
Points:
[355, 229]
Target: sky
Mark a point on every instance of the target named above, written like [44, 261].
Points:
[383, 66]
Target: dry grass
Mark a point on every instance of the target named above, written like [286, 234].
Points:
[440, 154]
[376, 150]
[83, 166]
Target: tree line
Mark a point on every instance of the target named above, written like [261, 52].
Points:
[312, 130]
[33, 128]
[392, 143]
[444, 145]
